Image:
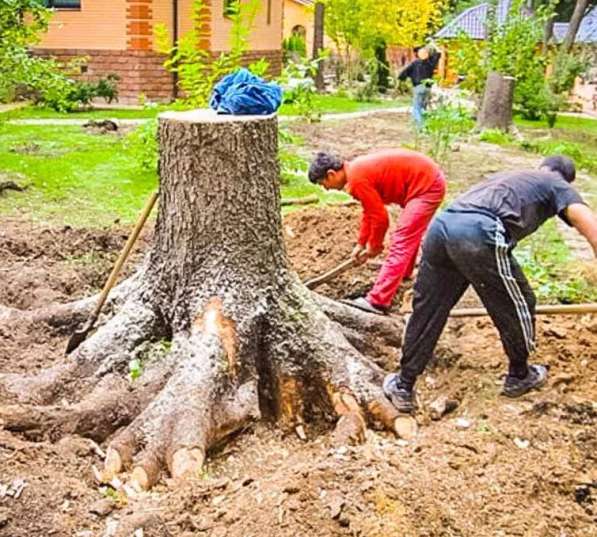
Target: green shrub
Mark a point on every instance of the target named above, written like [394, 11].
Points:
[294, 47]
[444, 125]
[496, 136]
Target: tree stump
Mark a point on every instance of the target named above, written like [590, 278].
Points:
[225, 330]
[496, 109]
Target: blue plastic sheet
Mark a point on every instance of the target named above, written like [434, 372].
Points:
[243, 93]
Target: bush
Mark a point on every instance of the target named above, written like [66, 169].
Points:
[197, 72]
[294, 47]
[444, 125]
[299, 87]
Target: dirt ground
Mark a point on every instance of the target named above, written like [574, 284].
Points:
[490, 467]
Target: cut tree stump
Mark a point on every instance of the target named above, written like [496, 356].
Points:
[246, 339]
[496, 110]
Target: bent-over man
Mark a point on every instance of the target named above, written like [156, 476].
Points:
[407, 178]
[471, 243]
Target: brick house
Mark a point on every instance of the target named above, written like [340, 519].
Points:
[117, 37]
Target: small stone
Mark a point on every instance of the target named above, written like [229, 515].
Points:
[344, 521]
[441, 406]
[291, 489]
[521, 443]
[335, 503]
[102, 507]
[556, 332]
[463, 423]
[405, 427]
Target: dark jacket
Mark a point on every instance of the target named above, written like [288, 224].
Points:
[420, 70]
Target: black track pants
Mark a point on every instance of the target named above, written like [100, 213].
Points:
[463, 248]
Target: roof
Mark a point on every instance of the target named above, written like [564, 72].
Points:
[587, 31]
[472, 22]
[304, 2]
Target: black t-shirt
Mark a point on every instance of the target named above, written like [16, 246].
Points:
[522, 200]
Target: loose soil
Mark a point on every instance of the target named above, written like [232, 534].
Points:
[491, 467]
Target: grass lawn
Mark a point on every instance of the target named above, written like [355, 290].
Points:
[73, 177]
[571, 123]
[83, 179]
[326, 103]
[333, 104]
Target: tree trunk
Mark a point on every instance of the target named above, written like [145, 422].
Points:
[573, 25]
[318, 35]
[225, 330]
[547, 34]
[496, 109]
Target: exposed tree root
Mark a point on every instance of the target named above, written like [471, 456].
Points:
[241, 336]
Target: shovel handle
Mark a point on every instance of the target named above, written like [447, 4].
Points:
[326, 277]
[539, 310]
[122, 257]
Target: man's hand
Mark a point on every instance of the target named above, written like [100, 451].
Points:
[358, 255]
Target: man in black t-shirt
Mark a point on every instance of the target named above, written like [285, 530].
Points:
[471, 244]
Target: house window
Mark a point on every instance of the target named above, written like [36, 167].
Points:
[269, 11]
[63, 4]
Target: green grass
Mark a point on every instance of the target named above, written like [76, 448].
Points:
[36, 112]
[573, 123]
[80, 179]
[334, 104]
[73, 177]
[328, 104]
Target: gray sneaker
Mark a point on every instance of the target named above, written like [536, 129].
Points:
[515, 387]
[402, 398]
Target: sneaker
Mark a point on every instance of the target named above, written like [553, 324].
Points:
[363, 304]
[515, 387]
[402, 398]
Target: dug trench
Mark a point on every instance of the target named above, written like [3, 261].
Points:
[488, 466]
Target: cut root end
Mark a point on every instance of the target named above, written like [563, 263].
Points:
[187, 463]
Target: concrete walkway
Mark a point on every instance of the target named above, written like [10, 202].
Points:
[283, 119]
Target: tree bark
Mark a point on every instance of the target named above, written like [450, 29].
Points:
[225, 330]
[318, 36]
[573, 25]
[496, 109]
[547, 34]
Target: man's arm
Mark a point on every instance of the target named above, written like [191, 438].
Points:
[405, 73]
[585, 221]
[375, 219]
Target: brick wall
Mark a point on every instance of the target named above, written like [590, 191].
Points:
[139, 71]
[142, 71]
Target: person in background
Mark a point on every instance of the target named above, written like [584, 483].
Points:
[471, 243]
[420, 72]
[407, 178]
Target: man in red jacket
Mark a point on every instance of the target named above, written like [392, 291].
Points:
[400, 176]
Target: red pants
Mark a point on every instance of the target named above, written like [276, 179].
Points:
[404, 243]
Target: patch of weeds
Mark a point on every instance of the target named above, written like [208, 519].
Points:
[496, 136]
[549, 266]
[116, 496]
[484, 428]
[150, 352]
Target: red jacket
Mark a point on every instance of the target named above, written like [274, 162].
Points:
[384, 177]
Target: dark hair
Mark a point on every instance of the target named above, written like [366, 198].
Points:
[562, 165]
[321, 164]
